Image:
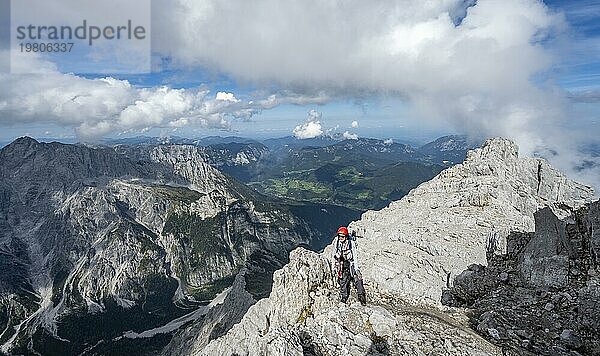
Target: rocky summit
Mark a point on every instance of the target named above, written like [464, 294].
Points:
[416, 251]
[416, 246]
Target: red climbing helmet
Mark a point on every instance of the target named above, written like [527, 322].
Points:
[342, 231]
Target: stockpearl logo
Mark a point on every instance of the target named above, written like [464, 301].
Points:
[111, 36]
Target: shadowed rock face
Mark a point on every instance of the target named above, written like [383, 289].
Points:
[545, 260]
[543, 296]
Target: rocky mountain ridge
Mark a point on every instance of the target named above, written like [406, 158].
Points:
[363, 173]
[98, 241]
[410, 253]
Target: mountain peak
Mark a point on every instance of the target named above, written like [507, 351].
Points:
[497, 147]
[18, 149]
[24, 141]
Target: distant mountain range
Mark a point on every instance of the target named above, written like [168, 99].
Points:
[361, 174]
[449, 149]
[291, 142]
[452, 145]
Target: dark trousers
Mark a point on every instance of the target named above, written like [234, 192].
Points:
[349, 275]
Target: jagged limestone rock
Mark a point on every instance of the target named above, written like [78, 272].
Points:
[409, 252]
[303, 313]
[545, 259]
[417, 245]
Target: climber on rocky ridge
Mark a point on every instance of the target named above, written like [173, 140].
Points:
[346, 265]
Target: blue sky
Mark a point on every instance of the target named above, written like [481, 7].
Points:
[581, 70]
[385, 110]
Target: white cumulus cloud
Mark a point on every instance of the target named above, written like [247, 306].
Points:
[350, 136]
[354, 124]
[226, 97]
[311, 128]
[98, 107]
